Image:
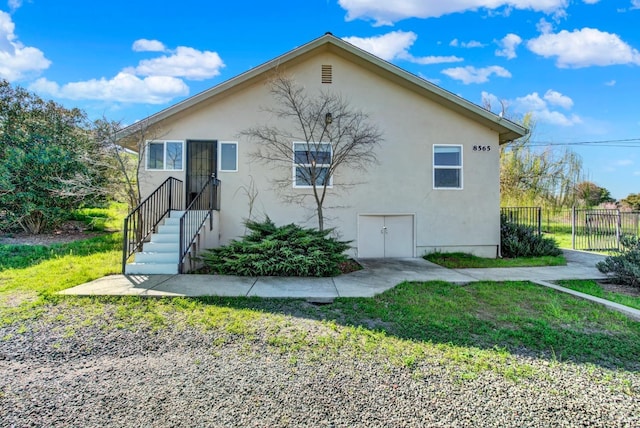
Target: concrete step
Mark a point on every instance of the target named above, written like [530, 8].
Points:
[151, 269]
[169, 229]
[162, 238]
[155, 257]
[161, 247]
[172, 221]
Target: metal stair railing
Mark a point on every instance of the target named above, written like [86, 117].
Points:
[144, 219]
[196, 214]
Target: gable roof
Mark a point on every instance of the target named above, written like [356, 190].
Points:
[506, 129]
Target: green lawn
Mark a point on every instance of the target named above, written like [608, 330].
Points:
[563, 240]
[595, 289]
[472, 328]
[33, 273]
[463, 260]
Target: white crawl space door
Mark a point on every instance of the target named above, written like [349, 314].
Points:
[389, 235]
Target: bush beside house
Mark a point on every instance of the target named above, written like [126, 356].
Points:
[522, 241]
[288, 250]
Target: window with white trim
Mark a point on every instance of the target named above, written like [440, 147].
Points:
[311, 160]
[447, 166]
[228, 156]
[165, 155]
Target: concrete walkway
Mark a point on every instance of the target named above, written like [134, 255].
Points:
[377, 276]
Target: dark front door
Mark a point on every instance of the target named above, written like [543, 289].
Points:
[201, 165]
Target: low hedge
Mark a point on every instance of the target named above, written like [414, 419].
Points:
[288, 250]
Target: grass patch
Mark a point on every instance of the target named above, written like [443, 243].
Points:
[29, 256]
[563, 240]
[472, 329]
[102, 219]
[510, 315]
[30, 275]
[477, 327]
[595, 289]
[464, 260]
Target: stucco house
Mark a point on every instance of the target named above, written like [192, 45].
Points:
[435, 186]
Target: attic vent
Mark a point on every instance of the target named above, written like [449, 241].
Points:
[327, 74]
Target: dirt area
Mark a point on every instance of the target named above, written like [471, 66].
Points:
[68, 232]
[619, 288]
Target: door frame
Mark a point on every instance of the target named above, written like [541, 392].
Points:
[213, 166]
[388, 214]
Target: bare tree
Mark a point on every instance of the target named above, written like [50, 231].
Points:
[127, 147]
[316, 135]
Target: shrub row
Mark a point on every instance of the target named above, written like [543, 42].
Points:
[288, 250]
[522, 241]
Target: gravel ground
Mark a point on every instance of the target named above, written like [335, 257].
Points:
[183, 376]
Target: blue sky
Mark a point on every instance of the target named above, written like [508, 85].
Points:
[574, 64]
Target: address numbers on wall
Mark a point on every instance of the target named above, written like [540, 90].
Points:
[481, 148]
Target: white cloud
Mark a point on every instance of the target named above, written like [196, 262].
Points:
[386, 13]
[470, 44]
[544, 26]
[388, 46]
[624, 162]
[146, 45]
[557, 99]
[610, 83]
[539, 108]
[16, 60]
[14, 4]
[153, 81]
[470, 74]
[636, 172]
[124, 87]
[591, 1]
[584, 48]
[395, 45]
[473, 44]
[635, 4]
[185, 62]
[509, 43]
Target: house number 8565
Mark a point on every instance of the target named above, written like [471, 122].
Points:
[481, 148]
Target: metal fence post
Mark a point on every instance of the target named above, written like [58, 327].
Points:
[573, 227]
[618, 229]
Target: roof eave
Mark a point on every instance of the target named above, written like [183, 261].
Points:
[507, 130]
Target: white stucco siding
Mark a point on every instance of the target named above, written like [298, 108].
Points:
[402, 181]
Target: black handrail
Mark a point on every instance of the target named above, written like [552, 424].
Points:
[194, 217]
[142, 221]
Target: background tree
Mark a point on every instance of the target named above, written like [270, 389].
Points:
[332, 135]
[49, 162]
[590, 194]
[632, 201]
[535, 175]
